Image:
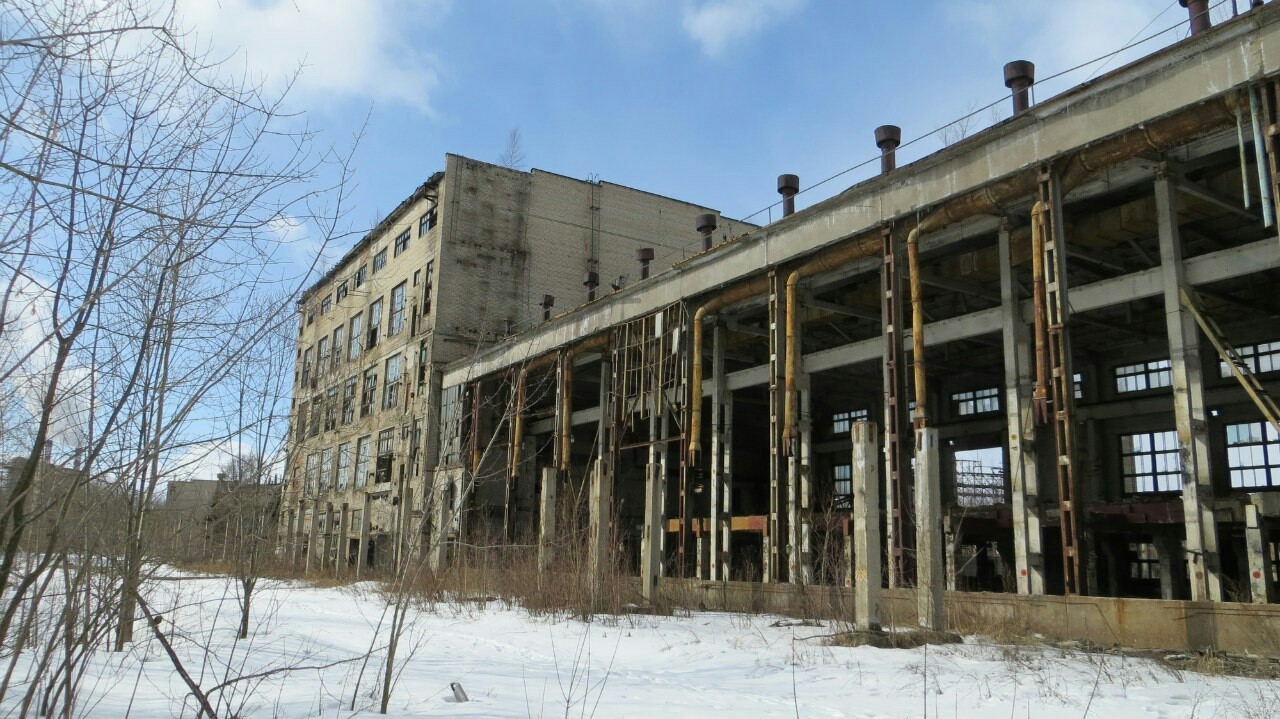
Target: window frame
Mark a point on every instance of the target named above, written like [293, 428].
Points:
[1267, 446]
[395, 318]
[379, 261]
[355, 342]
[976, 402]
[391, 385]
[1154, 374]
[400, 244]
[1160, 444]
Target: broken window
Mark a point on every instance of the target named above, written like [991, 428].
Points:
[322, 355]
[339, 345]
[977, 401]
[313, 472]
[342, 290]
[349, 400]
[300, 422]
[401, 243]
[1259, 358]
[427, 221]
[379, 260]
[391, 383]
[375, 323]
[1253, 455]
[326, 304]
[842, 422]
[362, 461]
[369, 392]
[326, 469]
[979, 477]
[311, 315]
[382, 473]
[317, 406]
[426, 288]
[1151, 462]
[1143, 376]
[451, 426]
[360, 275]
[357, 327]
[344, 465]
[1144, 563]
[842, 486]
[331, 409]
[396, 322]
[307, 356]
[423, 362]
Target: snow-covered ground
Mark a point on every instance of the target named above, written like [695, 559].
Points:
[701, 665]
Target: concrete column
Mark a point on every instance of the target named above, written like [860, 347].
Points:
[440, 519]
[929, 572]
[651, 536]
[806, 487]
[717, 442]
[1188, 406]
[547, 517]
[1172, 564]
[724, 529]
[313, 538]
[1023, 479]
[774, 553]
[329, 534]
[363, 548]
[865, 525]
[602, 480]
[650, 562]
[340, 562]
[664, 478]
[1258, 549]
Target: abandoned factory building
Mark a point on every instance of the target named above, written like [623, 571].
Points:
[1035, 362]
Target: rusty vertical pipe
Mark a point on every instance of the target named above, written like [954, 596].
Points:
[788, 186]
[591, 280]
[566, 408]
[917, 327]
[1040, 399]
[888, 137]
[1019, 76]
[1198, 12]
[791, 398]
[706, 226]
[517, 425]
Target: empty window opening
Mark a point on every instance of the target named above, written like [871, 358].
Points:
[979, 477]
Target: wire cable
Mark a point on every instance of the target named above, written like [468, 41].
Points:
[988, 106]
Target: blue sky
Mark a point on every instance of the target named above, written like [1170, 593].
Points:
[704, 100]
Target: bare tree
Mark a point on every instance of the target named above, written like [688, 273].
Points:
[141, 187]
[513, 156]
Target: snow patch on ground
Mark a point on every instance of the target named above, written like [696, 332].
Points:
[512, 664]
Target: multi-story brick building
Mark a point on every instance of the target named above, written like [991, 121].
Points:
[475, 254]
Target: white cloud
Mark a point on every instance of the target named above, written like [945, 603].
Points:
[28, 359]
[718, 24]
[1058, 36]
[344, 48]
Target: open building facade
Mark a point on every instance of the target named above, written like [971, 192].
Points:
[1035, 362]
